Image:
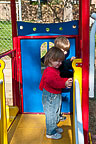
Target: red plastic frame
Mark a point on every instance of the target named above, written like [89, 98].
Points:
[19, 64]
[83, 53]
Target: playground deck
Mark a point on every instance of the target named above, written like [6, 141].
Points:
[31, 129]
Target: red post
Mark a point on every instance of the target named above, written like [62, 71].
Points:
[14, 34]
[13, 19]
[84, 44]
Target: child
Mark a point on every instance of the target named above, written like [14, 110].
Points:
[64, 44]
[66, 70]
[51, 84]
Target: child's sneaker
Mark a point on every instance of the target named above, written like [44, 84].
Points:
[62, 118]
[59, 130]
[55, 136]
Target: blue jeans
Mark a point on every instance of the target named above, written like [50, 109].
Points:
[51, 104]
[59, 108]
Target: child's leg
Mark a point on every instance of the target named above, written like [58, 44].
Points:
[59, 115]
[59, 108]
[50, 105]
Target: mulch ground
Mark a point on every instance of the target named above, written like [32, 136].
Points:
[92, 119]
[92, 115]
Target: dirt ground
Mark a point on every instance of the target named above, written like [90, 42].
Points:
[92, 119]
[92, 115]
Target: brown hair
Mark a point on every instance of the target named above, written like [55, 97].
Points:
[62, 43]
[53, 54]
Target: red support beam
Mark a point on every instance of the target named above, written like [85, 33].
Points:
[14, 68]
[13, 19]
[14, 74]
[84, 45]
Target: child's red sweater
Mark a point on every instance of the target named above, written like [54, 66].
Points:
[51, 81]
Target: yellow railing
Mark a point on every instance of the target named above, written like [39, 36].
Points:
[3, 119]
[77, 66]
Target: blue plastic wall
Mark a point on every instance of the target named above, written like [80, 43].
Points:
[31, 69]
[65, 28]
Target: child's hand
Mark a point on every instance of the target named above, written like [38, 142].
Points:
[68, 83]
[72, 58]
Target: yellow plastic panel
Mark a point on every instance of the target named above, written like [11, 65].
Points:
[78, 73]
[31, 129]
[12, 111]
[7, 114]
[77, 66]
[3, 120]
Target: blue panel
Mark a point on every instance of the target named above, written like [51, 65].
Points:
[31, 75]
[67, 100]
[65, 28]
[71, 52]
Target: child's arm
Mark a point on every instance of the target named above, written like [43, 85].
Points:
[66, 70]
[66, 64]
[68, 83]
[72, 58]
[55, 81]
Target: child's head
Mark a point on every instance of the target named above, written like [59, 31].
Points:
[62, 43]
[54, 56]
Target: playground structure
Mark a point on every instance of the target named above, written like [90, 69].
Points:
[23, 48]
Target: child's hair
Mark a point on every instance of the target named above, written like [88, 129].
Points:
[53, 54]
[62, 43]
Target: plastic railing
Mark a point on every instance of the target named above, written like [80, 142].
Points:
[78, 137]
[3, 119]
